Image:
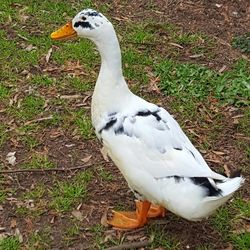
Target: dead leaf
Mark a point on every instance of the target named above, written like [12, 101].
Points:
[77, 214]
[86, 159]
[70, 97]
[196, 56]
[230, 247]
[3, 235]
[23, 37]
[222, 69]
[104, 153]
[153, 85]
[73, 68]
[29, 224]
[107, 238]
[19, 235]
[218, 152]
[11, 158]
[52, 221]
[176, 45]
[48, 55]
[13, 223]
[104, 218]
[133, 237]
[227, 170]
[79, 206]
[30, 47]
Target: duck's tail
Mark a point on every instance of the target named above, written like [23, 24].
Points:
[227, 188]
[230, 185]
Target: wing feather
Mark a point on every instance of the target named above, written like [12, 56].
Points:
[151, 140]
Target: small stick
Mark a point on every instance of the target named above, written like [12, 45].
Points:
[37, 170]
[245, 218]
[39, 120]
[131, 245]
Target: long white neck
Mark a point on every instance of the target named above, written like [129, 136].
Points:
[111, 88]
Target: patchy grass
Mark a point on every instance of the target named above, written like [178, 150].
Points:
[98, 230]
[65, 194]
[84, 125]
[78, 84]
[241, 241]
[42, 80]
[71, 232]
[36, 193]
[104, 174]
[160, 239]
[2, 196]
[229, 222]
[4, 92]
[30, 141]
[3, 134]
[40, 239]
[10, 243]
[189, 81]
[242, 43]
[39, 161]
[31, 106]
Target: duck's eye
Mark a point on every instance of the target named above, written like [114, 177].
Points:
[83, 18]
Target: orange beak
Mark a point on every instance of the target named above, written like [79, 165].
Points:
[65, 32]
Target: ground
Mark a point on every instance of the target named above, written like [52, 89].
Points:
[191, 57]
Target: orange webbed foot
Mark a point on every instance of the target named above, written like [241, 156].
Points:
[131, 220]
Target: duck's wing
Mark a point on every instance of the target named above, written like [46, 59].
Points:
[150, 139]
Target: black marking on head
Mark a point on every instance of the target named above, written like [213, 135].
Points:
[204, 182]
[93, 13]
[83, 25]
[148, 113]
[176, 148]
[83, 18]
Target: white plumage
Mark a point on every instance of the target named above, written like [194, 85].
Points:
[145, 142]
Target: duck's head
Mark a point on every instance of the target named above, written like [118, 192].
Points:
[87, 23]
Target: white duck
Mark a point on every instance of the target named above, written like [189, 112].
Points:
[148, 146]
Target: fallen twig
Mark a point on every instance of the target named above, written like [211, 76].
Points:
[39, 120]
[14, 171]
[245, 218]
[131, 245]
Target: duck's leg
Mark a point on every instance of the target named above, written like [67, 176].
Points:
[131, 220]
[154, 210]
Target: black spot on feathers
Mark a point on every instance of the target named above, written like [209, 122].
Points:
[108, 125]
[192, 153]
[120, 130]
[83, 25]
[204, 182]
[176, 148]
[199, 181]
[148, 113]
